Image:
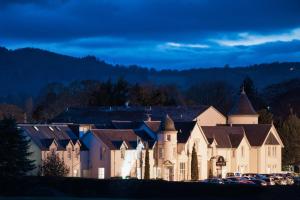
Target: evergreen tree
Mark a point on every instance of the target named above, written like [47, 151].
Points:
[14, 154]
[290, 134]
[252, 93]
[265, 117]
[194, 165]
[147, 165]
[54, 166]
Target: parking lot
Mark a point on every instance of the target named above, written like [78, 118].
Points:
[256, 179]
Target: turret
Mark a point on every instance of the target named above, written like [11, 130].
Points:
[243, 111]
[167, 148]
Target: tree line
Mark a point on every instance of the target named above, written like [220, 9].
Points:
[277, 103]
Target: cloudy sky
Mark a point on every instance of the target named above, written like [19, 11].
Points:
[157, 33]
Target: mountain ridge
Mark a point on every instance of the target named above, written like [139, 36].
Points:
[32, 68]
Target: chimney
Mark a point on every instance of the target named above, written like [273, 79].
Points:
[25, 118]
[148, 117]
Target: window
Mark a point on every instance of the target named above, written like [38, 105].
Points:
[123, 153]
[160, 152]
[77, 152]
[101, 153]
[174, 152]
[69, 153]
[158, 173]
[233, 153]
[52, 150]
[242, 151]
[101, 173]
[274, 151]
[182, 171]
[269, 151]
[168, 137]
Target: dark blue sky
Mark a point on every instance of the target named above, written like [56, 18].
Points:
[157, 33]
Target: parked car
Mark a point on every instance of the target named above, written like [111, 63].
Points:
[269, 181]
[250, 175]
[240, 180]
[297, 180]
[258, 181]
[213, 181]
[233, 174]
[228, 181]
[279, 180]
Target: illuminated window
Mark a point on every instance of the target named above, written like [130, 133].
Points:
[182, 170]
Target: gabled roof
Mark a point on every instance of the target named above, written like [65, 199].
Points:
[113, 138]
[184, 130]
[225, 136]
[243, 106]
[256, 133]
[43, 135]
[271, 140]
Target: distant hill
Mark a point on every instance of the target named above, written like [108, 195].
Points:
[27, 70]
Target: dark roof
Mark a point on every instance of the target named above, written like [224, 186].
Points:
[256, 133]
[271, 140]
[113, 138]
[177, 113]
[43, 135]
[235, 139]
[126, 124]
[225, 136]
[167, 124]
[153, 125]
[243, 106]
[184, 130]
[104, 115]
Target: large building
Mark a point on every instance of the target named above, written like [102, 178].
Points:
[117, 140]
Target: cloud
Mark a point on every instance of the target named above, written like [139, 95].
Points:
[247, 39]
[183, 45]
[161, 34]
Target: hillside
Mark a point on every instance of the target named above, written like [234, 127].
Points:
[27, 70]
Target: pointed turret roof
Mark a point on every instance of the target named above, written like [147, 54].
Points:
[243, 106]
[167, 124]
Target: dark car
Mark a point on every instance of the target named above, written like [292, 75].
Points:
[229, 181]
[297, 180]
[241, 180]
[258, 182]
[213, 181]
